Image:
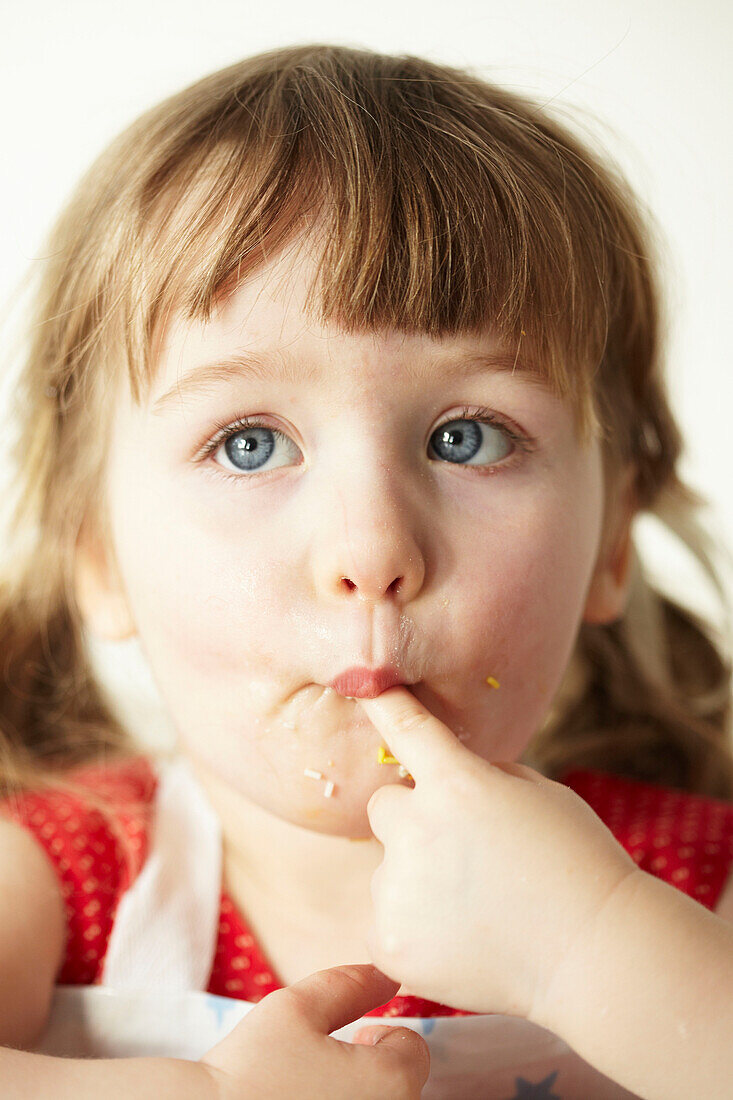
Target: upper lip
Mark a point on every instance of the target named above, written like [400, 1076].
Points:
[366, 683]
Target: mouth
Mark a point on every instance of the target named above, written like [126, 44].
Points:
[366, 683]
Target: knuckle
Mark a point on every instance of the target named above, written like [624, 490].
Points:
[380, 957]
[377, 800]
[410, 721]
[388, 946]
[286, 1002]
[383, 804]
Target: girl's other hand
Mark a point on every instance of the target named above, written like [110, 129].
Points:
[283, 1046]
[491, 872]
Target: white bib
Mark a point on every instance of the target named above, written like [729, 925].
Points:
[165, 930]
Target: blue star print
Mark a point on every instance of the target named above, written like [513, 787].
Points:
[527, 1091]
[218, 1006]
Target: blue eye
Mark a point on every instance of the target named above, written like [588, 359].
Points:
[250, 448]
[462, 439]
[249, 443]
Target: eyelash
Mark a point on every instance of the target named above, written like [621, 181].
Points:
[225, 429]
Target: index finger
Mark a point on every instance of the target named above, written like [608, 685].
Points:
[419, 740]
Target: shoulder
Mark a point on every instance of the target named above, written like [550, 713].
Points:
[94, 833]
[32, 927]
[685, 839]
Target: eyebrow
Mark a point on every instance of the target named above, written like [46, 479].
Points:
[258, 366]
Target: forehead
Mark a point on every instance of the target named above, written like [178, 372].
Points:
[272, 306]
[266, 329]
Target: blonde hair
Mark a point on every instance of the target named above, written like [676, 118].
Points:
[443, 204]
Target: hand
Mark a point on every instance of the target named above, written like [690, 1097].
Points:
[283, 1046]
[490, 871]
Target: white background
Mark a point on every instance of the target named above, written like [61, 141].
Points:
[649, 79]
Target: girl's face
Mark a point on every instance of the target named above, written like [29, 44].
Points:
[351, 527]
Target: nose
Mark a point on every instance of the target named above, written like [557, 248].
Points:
[368, 588]
[373, 549]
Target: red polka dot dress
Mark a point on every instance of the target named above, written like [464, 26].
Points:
[684, 839]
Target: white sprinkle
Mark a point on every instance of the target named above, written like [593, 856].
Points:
[289, 725]
[328, 789]
[312, 774]
[402, 771]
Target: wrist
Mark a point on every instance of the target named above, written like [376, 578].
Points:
[199, 1079]
[644, 995]
[566, 993]
[215, 1083]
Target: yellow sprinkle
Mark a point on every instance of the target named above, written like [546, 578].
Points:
[492, 682]
[383, 756]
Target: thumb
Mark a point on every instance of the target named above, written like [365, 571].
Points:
[329, 999]
[403, 1041]
[370, 1036]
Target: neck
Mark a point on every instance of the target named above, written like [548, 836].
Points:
[316, 874]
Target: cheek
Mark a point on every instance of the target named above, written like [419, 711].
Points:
[209, 617]
[209, 602]
[531, 574]
[528, 593]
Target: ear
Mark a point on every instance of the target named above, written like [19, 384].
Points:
[100, 593]
[609, 588]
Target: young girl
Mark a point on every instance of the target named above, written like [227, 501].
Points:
[344, 387]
